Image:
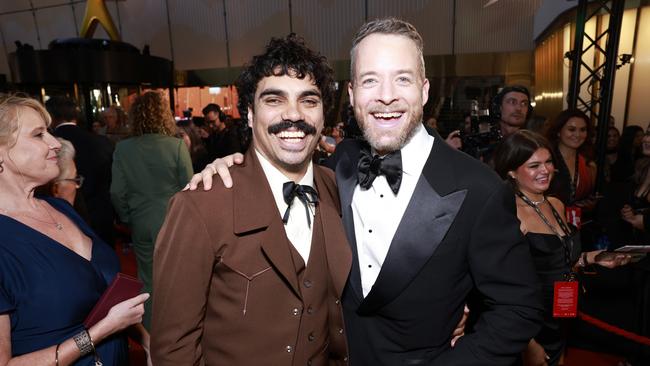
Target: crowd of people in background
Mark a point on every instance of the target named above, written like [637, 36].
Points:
[68, 187]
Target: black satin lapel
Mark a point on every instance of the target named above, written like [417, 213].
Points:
[424, 225]
[355, 274]
[346, 178]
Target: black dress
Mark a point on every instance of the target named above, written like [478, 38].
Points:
[549, 258]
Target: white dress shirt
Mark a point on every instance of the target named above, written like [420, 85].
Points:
[297, 229]
[377, 211]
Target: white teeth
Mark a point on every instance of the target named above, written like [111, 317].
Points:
[387, 115]
[291, 135]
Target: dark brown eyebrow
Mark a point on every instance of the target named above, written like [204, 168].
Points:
[282, 93]
[310, 93]
[273, 91]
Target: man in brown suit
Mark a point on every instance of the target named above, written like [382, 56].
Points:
[253, 275]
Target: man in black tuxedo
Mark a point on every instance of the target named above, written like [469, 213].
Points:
[94, 156]
[427, 224]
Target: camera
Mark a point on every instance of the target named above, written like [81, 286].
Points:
[482, 135]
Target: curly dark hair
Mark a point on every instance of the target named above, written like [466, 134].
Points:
[150, 113]
[285, 56]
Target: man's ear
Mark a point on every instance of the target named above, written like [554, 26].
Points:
[425, 91]
[350, 93]
[249, 114]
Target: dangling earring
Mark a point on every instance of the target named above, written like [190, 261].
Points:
[2, 168]
[512, 176]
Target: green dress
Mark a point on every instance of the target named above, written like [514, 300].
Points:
[147, 171]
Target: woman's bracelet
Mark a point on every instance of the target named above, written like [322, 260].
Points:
[582, 262]
[84, 343]
[56, 355]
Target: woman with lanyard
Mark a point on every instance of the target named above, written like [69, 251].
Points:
[570, 135]
[524, 159]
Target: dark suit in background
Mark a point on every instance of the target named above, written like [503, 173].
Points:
[93, 157]
[459, 233]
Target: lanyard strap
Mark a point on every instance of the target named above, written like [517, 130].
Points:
[574, 181]
[566, 240]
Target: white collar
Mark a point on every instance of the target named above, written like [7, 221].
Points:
[416, 151]
[277, 179]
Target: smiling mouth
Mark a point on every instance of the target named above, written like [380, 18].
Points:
[291, 136]
[387, 115]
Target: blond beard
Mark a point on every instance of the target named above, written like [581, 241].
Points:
[393, 144]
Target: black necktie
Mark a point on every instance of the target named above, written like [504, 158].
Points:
[306, 194]
[370, 167]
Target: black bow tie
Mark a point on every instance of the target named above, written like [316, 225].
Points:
[372, 166]
[306, 194]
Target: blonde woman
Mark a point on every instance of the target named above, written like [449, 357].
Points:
[53, 267]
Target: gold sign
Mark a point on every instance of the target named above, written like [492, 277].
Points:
[97, 13]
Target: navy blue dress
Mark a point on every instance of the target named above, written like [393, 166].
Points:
[48, 290]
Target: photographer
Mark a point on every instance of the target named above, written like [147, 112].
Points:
[509, 110]
[511, 106]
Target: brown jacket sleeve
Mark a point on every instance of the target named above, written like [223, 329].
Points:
[183, 263]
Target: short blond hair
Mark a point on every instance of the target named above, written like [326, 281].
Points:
[389, 26]
[11, 106]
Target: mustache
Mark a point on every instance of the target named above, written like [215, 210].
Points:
[300, 125]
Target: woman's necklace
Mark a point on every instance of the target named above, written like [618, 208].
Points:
[57, 224]
[536, 203]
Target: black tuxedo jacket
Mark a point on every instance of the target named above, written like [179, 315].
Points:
[459, 234]
[93, 157]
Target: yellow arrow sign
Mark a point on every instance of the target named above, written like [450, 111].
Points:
[97, 13]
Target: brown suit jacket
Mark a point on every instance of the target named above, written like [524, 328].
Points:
[227, 291]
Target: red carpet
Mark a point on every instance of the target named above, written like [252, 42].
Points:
[128, 266]
[573, 356]
[579, 357]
